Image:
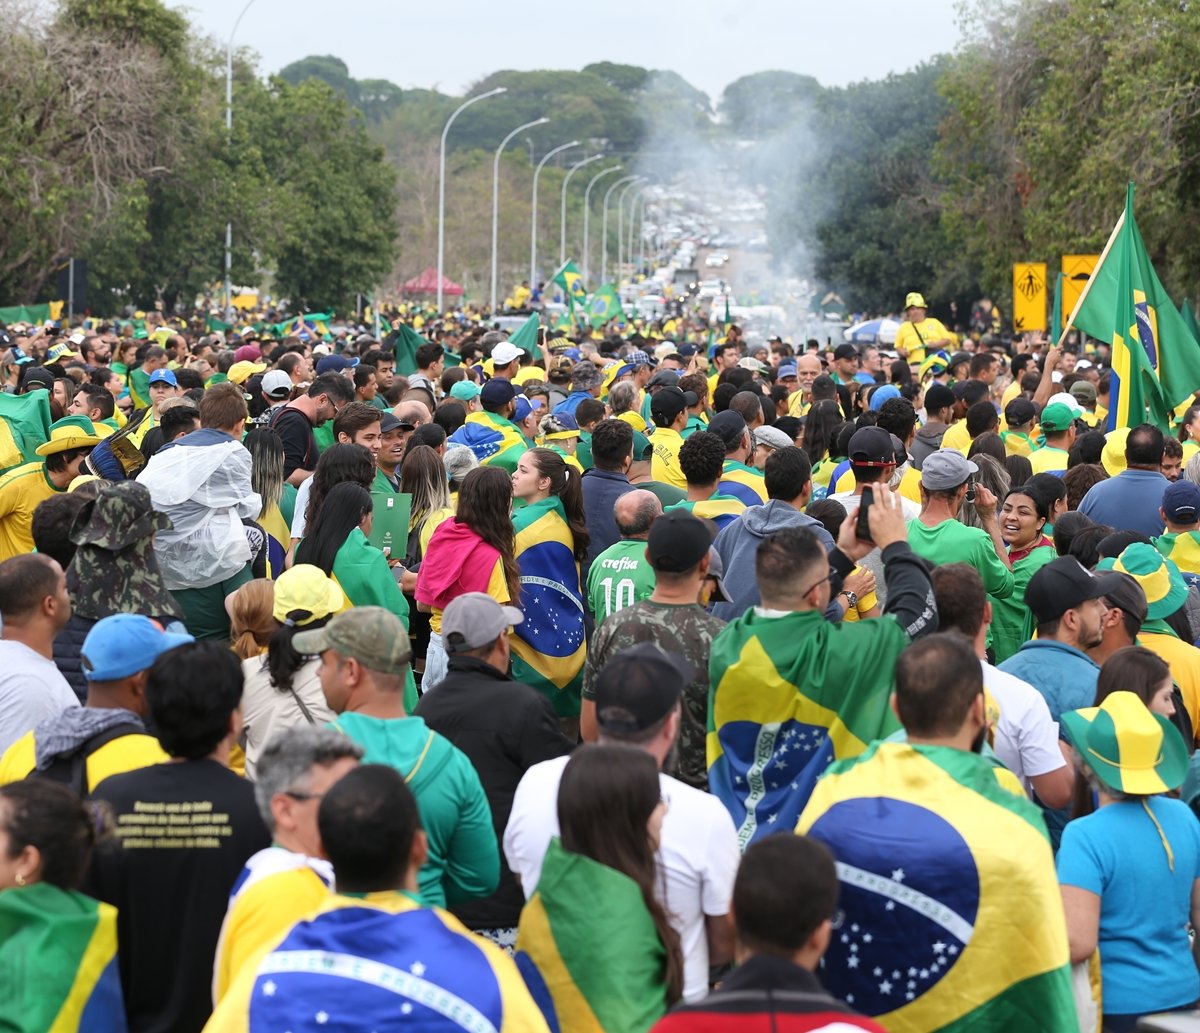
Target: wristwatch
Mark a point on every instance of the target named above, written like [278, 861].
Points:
[851, 598]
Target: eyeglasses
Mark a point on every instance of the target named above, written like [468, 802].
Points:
[817, 584]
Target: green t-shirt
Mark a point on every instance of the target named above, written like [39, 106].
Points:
[583, 451]
[1012, 621]
[667, 494]
[954, 542]
[619, 577]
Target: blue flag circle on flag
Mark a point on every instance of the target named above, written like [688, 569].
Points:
[903, 930]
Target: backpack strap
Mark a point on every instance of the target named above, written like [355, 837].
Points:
[70, 769]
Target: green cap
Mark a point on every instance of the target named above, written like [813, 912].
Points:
[369, 634]
[1056, 418]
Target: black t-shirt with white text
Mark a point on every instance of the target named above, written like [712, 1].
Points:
[183, 832]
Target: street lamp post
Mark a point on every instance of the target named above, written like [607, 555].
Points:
[604, 233]
[562, 222]
[587, 212]
[229, 143]
[534, 211]
[496, 198]
[442, 184]
[621, 218]
[639, 199]
[625, 242]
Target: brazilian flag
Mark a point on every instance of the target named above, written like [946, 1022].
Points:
[604, 305]
[603, 966]
[548, 646]
[60, 962]
[526, 337]
[571, 281]
[494, 440]
[953, 919]
[789, 695]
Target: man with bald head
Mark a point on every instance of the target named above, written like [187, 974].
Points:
[621, 575]
[413, 412]
[808, 368]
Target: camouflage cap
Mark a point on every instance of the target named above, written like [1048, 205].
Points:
[121, 515]
[369, 634]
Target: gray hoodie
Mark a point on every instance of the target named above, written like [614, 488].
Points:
[738, 542]
[928, 440]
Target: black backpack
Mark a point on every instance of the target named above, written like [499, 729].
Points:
[70, 769]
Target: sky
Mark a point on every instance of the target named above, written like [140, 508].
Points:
[450, 44]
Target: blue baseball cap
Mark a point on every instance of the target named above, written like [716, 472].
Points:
[123, 644]
[160, 376]
[788, 369]
[525, 406]
[335, 364]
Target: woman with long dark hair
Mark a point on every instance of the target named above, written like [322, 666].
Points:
[610, 813]
[821, 427]
[59, 946]
[281, 686]
[339, 464]
[549, 646]
[471, 552]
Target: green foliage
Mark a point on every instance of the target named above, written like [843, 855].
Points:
[759, 104]
[144, 22]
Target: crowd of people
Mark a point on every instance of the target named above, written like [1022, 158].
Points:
[636, 679]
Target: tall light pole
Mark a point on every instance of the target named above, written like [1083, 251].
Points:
[639, 197]
[534, 212]
[496, 197]
[624, 242]
[562, 222]
[229, 144]
[587, 212]
[442, 184]
[621, 218]
[604, 234]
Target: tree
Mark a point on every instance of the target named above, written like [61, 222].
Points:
[336, 195]
[71, 142]
[760, 104]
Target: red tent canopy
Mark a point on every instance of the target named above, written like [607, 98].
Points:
[427, 283]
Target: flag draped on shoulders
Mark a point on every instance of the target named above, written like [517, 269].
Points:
[952, 914]
[494, 440]
[1155, 357]
[720, 509]
[788, 696]
[380, 962]
[603, 966]
[24, 425]
[549, 646]
[60, 962]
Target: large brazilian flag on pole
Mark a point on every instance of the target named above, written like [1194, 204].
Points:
[952, 917]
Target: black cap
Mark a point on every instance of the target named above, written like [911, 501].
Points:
[391, 421]
[664, 378]
[38, 375]
[939, 396]
[1063, 584]
[872, 446]
[497, 391]
[677, 542]
[670, 402]
[1128, 597]
[639, 687]
[1019, 412]
[729, 426]
[845, 351]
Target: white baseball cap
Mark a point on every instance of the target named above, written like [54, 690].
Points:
[505, 352]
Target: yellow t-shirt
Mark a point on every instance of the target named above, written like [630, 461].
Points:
[1010, 393]
[797, 406]
[912, 337]
[634, 418]
[21, 489]
[909, 487]
[432, 523]
[1048, 459]
[497, 588]
[1184, 661]
[528, 373]
[127, 753]
[1016, 444]
[664, 466]
[865, 602]
[957, 437]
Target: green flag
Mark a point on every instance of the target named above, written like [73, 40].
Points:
[604, 305]
[1056, 314]
[24, 424]
[407, 343]
[526, 336]
[1189, 318]
[1155, 357]
[212, 323]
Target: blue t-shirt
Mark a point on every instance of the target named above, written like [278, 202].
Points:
[1145, 957]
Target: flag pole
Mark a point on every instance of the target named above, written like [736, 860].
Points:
[1091, 279]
